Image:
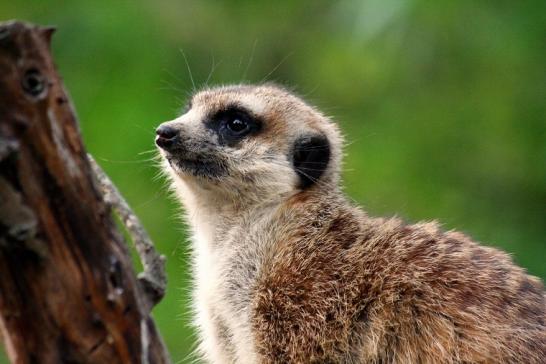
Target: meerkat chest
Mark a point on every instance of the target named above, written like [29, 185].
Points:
[227, 267]
[226, 271]
[230, 273]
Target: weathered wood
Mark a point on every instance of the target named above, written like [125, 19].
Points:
[153, 279]
[68, 293]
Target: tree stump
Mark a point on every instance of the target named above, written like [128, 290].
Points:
[68, 292]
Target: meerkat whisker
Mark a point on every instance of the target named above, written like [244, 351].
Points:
[189, 69]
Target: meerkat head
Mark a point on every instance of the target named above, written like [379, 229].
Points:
[250, 142]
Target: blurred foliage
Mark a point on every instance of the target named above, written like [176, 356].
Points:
[442, 104]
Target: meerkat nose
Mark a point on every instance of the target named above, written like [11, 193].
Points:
[166, 136]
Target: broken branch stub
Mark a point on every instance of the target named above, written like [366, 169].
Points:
[154, 278]
[68, 292]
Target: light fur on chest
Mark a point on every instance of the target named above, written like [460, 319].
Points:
[227, 258]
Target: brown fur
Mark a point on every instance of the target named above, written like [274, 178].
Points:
[290, 276]
[346, 288]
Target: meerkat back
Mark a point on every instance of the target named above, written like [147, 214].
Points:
[287, 270]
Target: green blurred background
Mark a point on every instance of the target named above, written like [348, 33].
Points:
[442, 104]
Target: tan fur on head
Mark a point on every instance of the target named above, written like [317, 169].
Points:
[286, 270]
[260, 168]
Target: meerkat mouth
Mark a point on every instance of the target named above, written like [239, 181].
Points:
[198, 167]
[184, 161]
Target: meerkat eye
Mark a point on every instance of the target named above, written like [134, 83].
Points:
[237, 126]
[232, 124]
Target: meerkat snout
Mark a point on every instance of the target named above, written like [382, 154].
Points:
[288, 270]
[166, 136]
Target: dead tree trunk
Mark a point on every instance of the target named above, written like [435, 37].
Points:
[68, 293]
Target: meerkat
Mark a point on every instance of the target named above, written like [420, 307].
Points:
[287, 270]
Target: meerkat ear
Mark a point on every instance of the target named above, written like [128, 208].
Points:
[310, 157]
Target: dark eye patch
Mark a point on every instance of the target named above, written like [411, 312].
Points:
[232, 124]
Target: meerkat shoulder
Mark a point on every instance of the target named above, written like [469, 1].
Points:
[346, 287]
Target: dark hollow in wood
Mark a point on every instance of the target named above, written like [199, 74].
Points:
[68, 292]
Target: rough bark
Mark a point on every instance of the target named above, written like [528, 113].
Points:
[68, 292]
